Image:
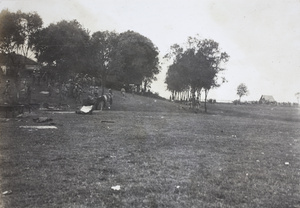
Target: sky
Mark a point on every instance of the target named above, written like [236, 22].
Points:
[262, 38]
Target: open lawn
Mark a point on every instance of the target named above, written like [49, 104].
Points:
[233, 156]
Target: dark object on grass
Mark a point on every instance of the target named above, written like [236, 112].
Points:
[12, 108]
[42, 119]
[107, 122]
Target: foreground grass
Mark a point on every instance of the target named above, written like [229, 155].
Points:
[228, 158]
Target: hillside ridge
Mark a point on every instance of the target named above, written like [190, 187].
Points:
[41, 97]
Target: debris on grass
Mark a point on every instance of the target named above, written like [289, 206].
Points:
[44, 92]
[4, 119]
[116, 188]
[22, 115]
[7, 192]
[42, 119]
[286, 163]
[107, 122]
[85, 110]
[63, 112]
[38, 127]
[177, 187]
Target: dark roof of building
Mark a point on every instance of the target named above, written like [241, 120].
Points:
[15, 59]
[267, 98]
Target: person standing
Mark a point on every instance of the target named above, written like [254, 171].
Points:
[63, 92]
[28, 93]
[110, 96]
[123, 91]
[7, 92]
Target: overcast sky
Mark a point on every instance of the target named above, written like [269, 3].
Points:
[261, 37]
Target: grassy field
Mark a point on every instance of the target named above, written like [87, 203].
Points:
[159, 154]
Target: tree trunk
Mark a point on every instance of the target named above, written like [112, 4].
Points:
[199, 95]
[205, 100]
[193, 98]
[145, 86]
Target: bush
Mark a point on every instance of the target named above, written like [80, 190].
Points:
[212, 101]
[236, 102]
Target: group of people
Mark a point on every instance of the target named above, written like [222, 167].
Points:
[70, 89]
[192, 102]
[12, 94]
[77, 88]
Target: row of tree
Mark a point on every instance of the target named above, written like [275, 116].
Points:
[195, 67]
[66, 48]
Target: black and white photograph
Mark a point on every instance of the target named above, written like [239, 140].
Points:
[149, 103]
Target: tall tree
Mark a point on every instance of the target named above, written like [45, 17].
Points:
[10, 36]
[139, 58]
[63, 45]
[242, 90]
[104, 54]
[198, 64]
[29, 24]
[16, 32]
[175, 79]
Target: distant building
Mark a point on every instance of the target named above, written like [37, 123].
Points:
[267, 99]
[12, 62]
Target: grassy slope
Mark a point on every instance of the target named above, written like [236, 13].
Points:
[160, 154]
[128, 103]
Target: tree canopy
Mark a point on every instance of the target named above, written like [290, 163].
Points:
[63, 45]
[242, 90]
[16, 32]
[103, 53]
[139, 58]
[68, 47]
[195, 67]
[10, 36]
[130, 57]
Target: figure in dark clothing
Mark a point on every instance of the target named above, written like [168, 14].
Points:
[7, 93]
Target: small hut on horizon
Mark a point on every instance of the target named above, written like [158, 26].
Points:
[267, 99]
